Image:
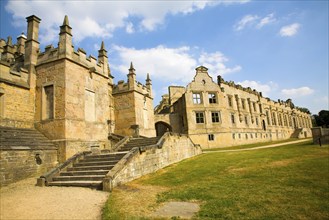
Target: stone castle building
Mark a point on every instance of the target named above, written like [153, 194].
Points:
[69, 103]
[69, 97]
[224, 114]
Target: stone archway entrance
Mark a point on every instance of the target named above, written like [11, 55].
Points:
[161, 128]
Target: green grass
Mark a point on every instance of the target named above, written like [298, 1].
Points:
[288, 182]
[253, 145]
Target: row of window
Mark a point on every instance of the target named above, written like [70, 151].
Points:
[212, 99]
[198, 100]
[211, 137]
[216, 118]
[200, 117]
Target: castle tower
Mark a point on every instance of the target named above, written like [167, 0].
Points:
[131, 77]
[65, 39]
[149, 83]
[32, 44]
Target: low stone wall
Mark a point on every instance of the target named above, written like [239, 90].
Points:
[171, 148]
[320, 135]
[18, 164]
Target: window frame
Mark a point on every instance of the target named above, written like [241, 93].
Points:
[230, 102]
[199, 117]
[213, 116]
[211, 137]
[197, 98]
[213, 99]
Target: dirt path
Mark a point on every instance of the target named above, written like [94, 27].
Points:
[261, 147]
[23, 200]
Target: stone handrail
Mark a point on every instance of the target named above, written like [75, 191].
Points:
[47, 177]
[120, 144]
[119, 167]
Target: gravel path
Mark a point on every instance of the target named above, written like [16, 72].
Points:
[23, 200]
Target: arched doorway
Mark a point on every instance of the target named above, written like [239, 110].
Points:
[161, 128]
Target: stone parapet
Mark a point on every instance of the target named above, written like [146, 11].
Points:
[171, 148]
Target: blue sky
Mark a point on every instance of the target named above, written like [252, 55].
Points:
[277, 47]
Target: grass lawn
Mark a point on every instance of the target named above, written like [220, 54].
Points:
[288, 182]
[253, 145]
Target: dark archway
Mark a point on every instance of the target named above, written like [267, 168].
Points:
[161, 128]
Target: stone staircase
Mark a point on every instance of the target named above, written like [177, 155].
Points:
[91, 170]
[88, 172]
[139, 142]
[24, 138]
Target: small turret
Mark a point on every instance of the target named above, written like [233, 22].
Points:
[149, 83]
[21, 39]
[103, 59]
[65, 38]
[131, 77]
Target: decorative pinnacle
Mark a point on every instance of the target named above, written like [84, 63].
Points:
[102, 46]
[66, 21]
[148, 77]
[131, 66]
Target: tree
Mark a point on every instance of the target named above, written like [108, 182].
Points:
[305, 110]
[322, 119]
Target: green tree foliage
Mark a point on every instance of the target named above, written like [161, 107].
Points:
[322, 119]
[304, 110]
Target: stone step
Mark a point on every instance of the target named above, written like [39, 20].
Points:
[95, 163]
[89, 184]
[108, 159]
[23, 137]
[105, 156]
[79, 178]
[103, 167]
[84, 172]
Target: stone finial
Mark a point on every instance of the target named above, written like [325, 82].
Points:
[148, 79]
[131, 69]
[102, 52]
[131, 66]
[65, 28]
[9, 41]
[201, 69]
[66, 21]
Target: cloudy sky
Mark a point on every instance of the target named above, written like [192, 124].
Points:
[277, 47]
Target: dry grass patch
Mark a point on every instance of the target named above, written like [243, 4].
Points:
[136, 200]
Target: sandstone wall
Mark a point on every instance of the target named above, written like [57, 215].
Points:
[16, 165]
[16, 98]
[139, 162]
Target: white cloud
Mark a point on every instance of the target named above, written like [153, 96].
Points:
[215, 63]
[245, 21]
[264, 88]
[289, 30]
[130, 28]
[254, 21]
[298, 92]
[101, 18]
[170, 64]
[266, 20]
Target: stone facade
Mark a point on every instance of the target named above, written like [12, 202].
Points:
[224, 114]
[68, 96]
